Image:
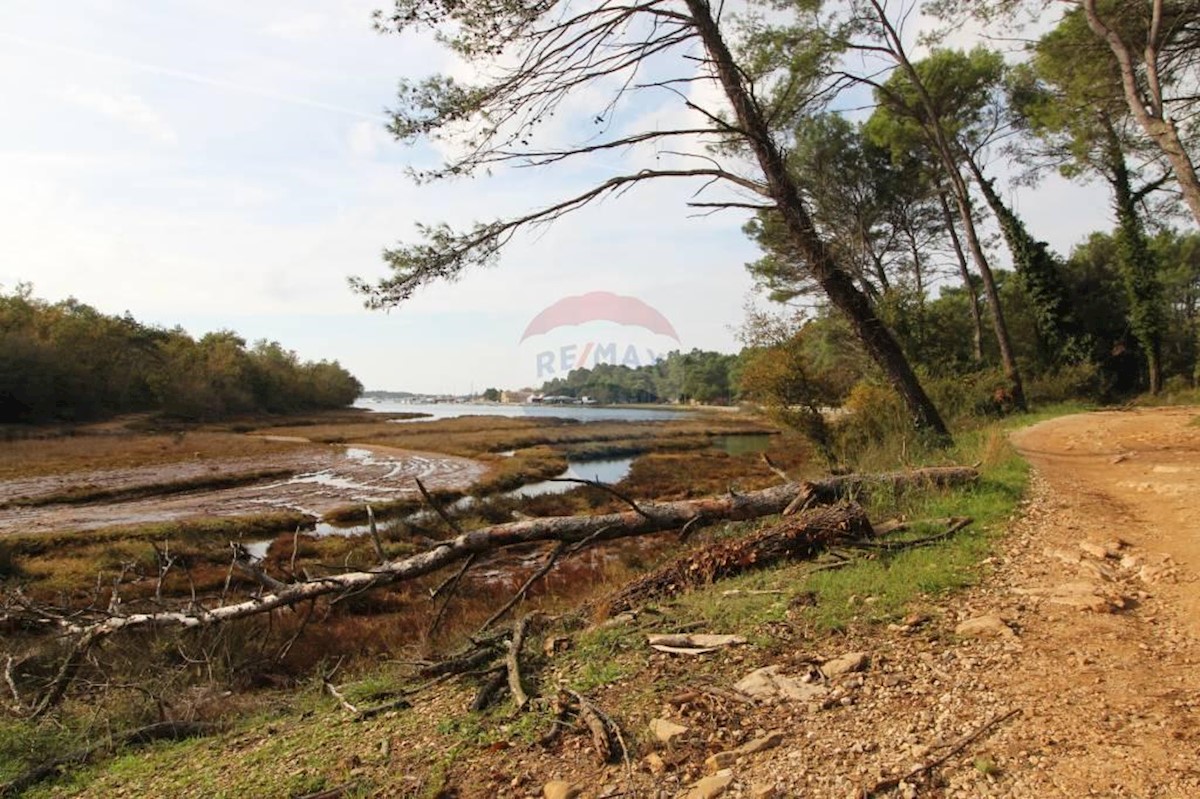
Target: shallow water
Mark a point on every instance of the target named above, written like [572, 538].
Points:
[582, 413]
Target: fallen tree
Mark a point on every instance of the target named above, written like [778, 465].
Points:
[90, 628]
[795, 537]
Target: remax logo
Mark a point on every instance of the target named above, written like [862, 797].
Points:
[645, 341]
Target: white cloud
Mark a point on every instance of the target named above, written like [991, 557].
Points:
[367, 139]
[299, 27]
[128, 109]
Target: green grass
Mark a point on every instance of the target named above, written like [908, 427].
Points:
[308, 744]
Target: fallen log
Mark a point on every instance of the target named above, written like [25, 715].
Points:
[858, 486]
[648, 518]
[795, 537]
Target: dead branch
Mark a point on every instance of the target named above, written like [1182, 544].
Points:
[336, 694]
[892, 783]
[894, 546]
[375, 535]
[603, 487]
[541, 571]
[438, 509]
[449, 586]
[489, 689]
[857, 486]
[770, 465]
[513, 659]
[796, 537]
[93, 626]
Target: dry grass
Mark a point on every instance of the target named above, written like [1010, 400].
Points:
[126, 450]
[85, 494]
[470, 436]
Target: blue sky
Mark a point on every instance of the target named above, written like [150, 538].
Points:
[222, 164]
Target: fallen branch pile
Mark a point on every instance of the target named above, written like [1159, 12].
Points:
[90, 628]
[795, 537]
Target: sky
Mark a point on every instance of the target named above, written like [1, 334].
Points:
[224, 165]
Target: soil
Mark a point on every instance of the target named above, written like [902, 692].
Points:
[1091, 641]
[325, 478]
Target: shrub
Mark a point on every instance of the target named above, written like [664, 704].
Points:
[1069, 382]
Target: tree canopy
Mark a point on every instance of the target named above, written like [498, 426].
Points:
[68, 361]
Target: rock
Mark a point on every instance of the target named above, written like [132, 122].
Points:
[846, 664]
[666, 731]
[1095, 550]
[1065, 555]
[710, 787]
[768, 683]
[655, 763]
[987, 626]
[1132, 562]
[719, 761]
[1113, 547]
[764, 792]
[768, 741]
[1156, 573]
[555, 644]
[1086, 596]
[560, 789]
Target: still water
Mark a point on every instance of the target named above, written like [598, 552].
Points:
[583, 413]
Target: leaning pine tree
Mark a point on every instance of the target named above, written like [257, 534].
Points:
[535, 58]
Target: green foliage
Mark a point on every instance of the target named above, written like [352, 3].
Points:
[700, 375]
[68, 361]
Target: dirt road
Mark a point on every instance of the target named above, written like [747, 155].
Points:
[1106, 667]
[1092, 640]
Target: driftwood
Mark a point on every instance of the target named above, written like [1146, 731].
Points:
[796, 537]
[91, 629]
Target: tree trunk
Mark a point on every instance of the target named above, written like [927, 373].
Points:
[1135, 259]
[968, 285]
[836, 283]
[962, 197]
[1150, 115]
[1058, 334]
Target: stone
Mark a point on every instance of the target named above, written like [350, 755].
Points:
[987, 626]
[655, 763]
[1097, 551]
[768, 683]
[1085, 596]
[1065, 555]
[719, 761]
[560, 789]
[710, 787]
[1114, 546]
[764, 792]
[666, 731]
[768, 741]
[846, 664]
[1151, 573]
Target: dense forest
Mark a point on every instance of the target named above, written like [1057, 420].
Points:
[879, 169]
[68, 361]
[699, 375]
